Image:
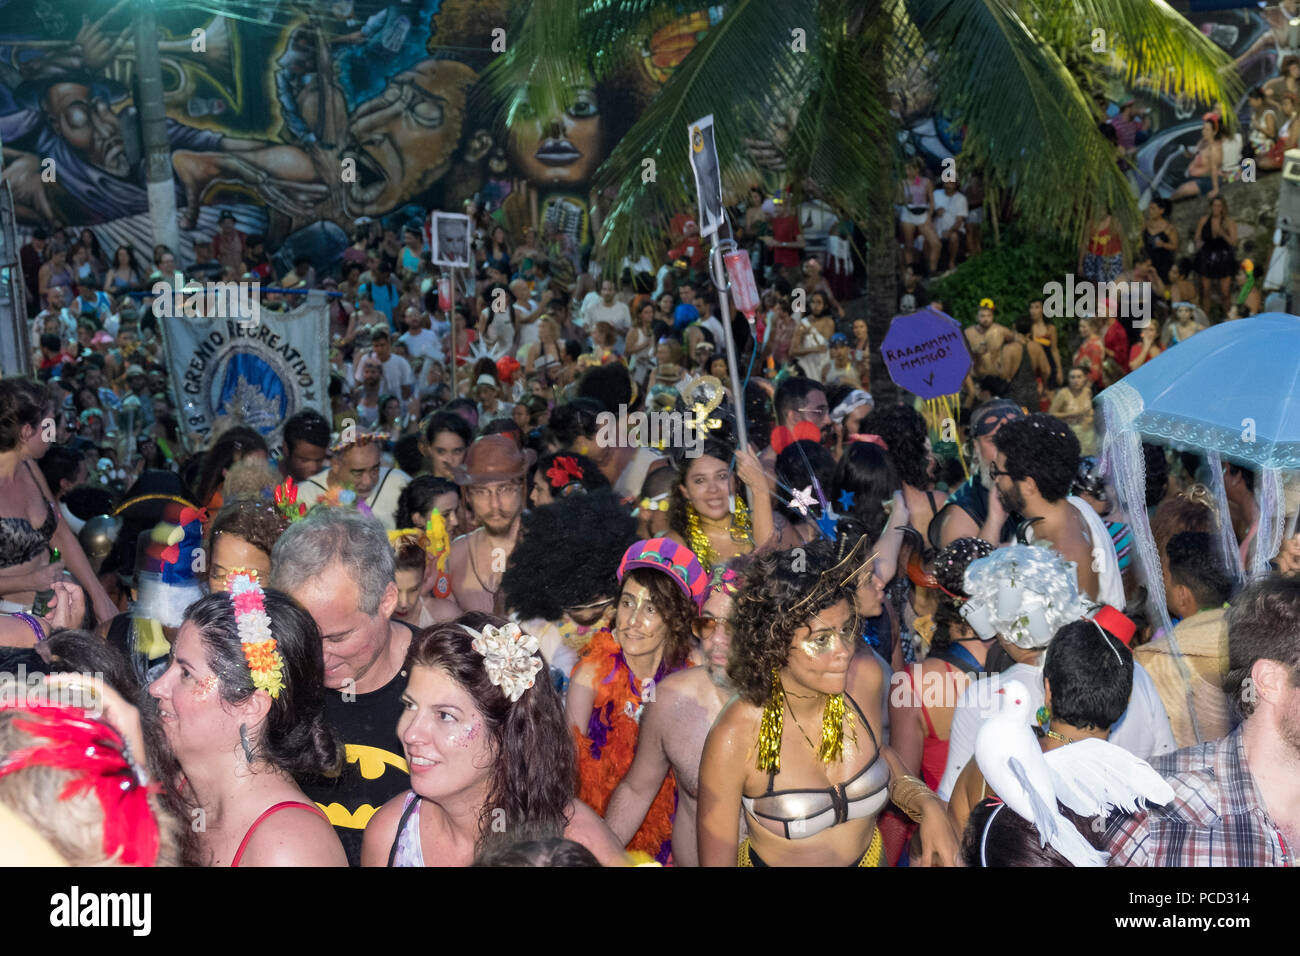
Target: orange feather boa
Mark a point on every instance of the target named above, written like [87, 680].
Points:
[606, 750]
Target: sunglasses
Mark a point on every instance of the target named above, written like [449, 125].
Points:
[705, 625]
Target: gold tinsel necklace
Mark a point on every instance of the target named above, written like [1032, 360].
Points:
[835, 718]
[742, 529]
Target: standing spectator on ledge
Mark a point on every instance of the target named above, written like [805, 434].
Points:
[229, 245]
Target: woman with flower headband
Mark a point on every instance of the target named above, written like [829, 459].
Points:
[241, 706]
[483, 734]
[794, 633]
[706, 512]
[661, 589]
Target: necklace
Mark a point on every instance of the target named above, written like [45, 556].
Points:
[1061, 737]
[473, 566]
[739, 528]
[811, 745]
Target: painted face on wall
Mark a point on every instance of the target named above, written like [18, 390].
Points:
[87, 125]
[402, 140]
[563, 148]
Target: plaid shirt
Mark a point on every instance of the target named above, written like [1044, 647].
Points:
[1217, 817]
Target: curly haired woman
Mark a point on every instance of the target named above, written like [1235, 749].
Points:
[793, 661]
[662, 587]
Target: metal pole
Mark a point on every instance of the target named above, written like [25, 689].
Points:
[719, 274]
[15, 328]
[451, 317]
[153, 130]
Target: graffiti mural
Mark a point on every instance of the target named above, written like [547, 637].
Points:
[299, 117]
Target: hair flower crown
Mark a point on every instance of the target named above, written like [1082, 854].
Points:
[510, 657]
[264, 661]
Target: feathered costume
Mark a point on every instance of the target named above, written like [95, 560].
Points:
[606, 750]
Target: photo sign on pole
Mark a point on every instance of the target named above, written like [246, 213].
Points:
[708, 186]
[926, 354]
[448, 236]
[708, 176]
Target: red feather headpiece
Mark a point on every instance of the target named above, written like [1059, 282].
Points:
[93, 753]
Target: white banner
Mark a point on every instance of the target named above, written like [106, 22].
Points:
[228, 367]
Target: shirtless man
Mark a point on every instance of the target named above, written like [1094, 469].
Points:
[1037, 460]
[493, 479]
[673, 729]
[985, 340]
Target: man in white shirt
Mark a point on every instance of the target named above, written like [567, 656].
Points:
[398, 379]
[950, 211]
[608, 309]
[357, 466]
[422, 343]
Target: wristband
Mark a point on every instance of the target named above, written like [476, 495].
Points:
[33, 623]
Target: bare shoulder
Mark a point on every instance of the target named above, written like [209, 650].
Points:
[865, 675]
[381, 831]
[736, 726]
[294, 837]
[683, 684]
[584, 675]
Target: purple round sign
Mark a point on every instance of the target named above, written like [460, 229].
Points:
[925, 353]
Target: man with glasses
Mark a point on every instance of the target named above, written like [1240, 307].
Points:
[797, 399]
[493, 479]
[1035, 469]
[974, 510]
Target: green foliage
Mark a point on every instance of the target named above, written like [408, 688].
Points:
[1010, 273]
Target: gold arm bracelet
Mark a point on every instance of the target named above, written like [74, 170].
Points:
[908, 794]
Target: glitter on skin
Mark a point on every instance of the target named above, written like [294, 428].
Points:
[205, 687]
[468, 737]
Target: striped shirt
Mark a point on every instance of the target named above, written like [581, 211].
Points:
[1217, 817]
[1122, 538]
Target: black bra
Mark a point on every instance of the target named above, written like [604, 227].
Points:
[20, 542]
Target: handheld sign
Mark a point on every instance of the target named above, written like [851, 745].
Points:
[708, 175]
[925, 353]
[448, 235]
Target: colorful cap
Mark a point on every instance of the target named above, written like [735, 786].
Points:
[675, 559]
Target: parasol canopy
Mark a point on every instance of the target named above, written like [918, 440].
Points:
[1233, 389]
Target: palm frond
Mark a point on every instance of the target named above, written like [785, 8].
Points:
[747, 72]
[1028, 126]
[1156, 47]
[841, 144]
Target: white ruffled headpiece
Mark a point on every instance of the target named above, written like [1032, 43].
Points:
[1023, 592]
[510, 657]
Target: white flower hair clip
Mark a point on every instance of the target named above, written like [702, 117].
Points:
[510, 657]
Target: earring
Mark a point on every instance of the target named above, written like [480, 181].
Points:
[244, 742]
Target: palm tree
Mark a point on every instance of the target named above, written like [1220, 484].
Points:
[814, 78]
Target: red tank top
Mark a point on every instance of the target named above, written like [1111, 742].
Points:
[287, 804]
[934, 750]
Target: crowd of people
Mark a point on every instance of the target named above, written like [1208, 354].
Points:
[430, 626]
